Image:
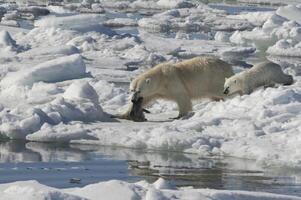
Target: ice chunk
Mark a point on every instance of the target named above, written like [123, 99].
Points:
[290, 12]
[30, 190]
[78, 103]
[144, 4]
[222, 36]
[105, 190]
[256, 18]
[64, 50]
[295, 33]
[285, 47]
[273, 21]
[162, 184]
[175, 4]
[120, 22]
[8, 43]
[60, 69]
[81, 90]
[60, 133]
[76, 22]
[237, 51]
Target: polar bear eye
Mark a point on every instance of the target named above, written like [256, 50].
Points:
[148, 80]
[234, 81]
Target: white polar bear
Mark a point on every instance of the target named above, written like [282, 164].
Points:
[200, 77]
[262, 74]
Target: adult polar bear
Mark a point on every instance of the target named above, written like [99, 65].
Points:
[200, 77]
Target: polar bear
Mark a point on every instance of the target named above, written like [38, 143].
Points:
[200, 77]
[262, 74]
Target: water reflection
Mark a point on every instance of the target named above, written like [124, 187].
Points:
[55, 165]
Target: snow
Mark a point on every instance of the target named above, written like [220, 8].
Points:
[57, 51]
[120, 22]
[7, 43]
[290, 12]
[60, 69]
[75, 22]
[285, 48]
[175, 4]
[272, 29]
[112, 190]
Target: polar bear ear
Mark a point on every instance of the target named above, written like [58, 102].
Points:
[148, 80]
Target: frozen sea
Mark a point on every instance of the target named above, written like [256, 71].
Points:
[65, 67]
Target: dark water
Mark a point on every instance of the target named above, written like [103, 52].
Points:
[56, 165]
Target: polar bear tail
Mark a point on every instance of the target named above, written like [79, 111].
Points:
[288, 80]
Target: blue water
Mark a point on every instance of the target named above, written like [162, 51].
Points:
[66, 166]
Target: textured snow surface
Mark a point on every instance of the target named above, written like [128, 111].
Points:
[114, 190]
[277, 33]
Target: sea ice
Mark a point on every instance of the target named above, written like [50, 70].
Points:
[60, 69]
[42, 98]
[290, 12]
[114, 189]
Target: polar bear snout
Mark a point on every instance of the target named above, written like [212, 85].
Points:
[226, 90]
[135, 97]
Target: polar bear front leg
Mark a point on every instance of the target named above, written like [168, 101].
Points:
[184, 105]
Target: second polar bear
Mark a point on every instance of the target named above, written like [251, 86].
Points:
[263, 74]
[200, 77]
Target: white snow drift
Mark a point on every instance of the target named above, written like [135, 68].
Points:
[64, 68]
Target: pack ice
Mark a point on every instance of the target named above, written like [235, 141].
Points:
[61, 78]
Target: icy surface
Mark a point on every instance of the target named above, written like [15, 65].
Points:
[112, 190]
[64, 74]
[64, 68]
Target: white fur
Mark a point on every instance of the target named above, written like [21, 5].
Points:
[200, 77]
[263, 74]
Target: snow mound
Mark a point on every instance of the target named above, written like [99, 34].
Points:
[114, 189]
[273, 28]
[285, 48]
[78, 103]
[60, 69]
[81, 90]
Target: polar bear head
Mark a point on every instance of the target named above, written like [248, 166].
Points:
[143, 86]
[232, 85]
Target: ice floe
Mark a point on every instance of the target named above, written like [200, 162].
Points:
[112, 190]
[62, 76]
